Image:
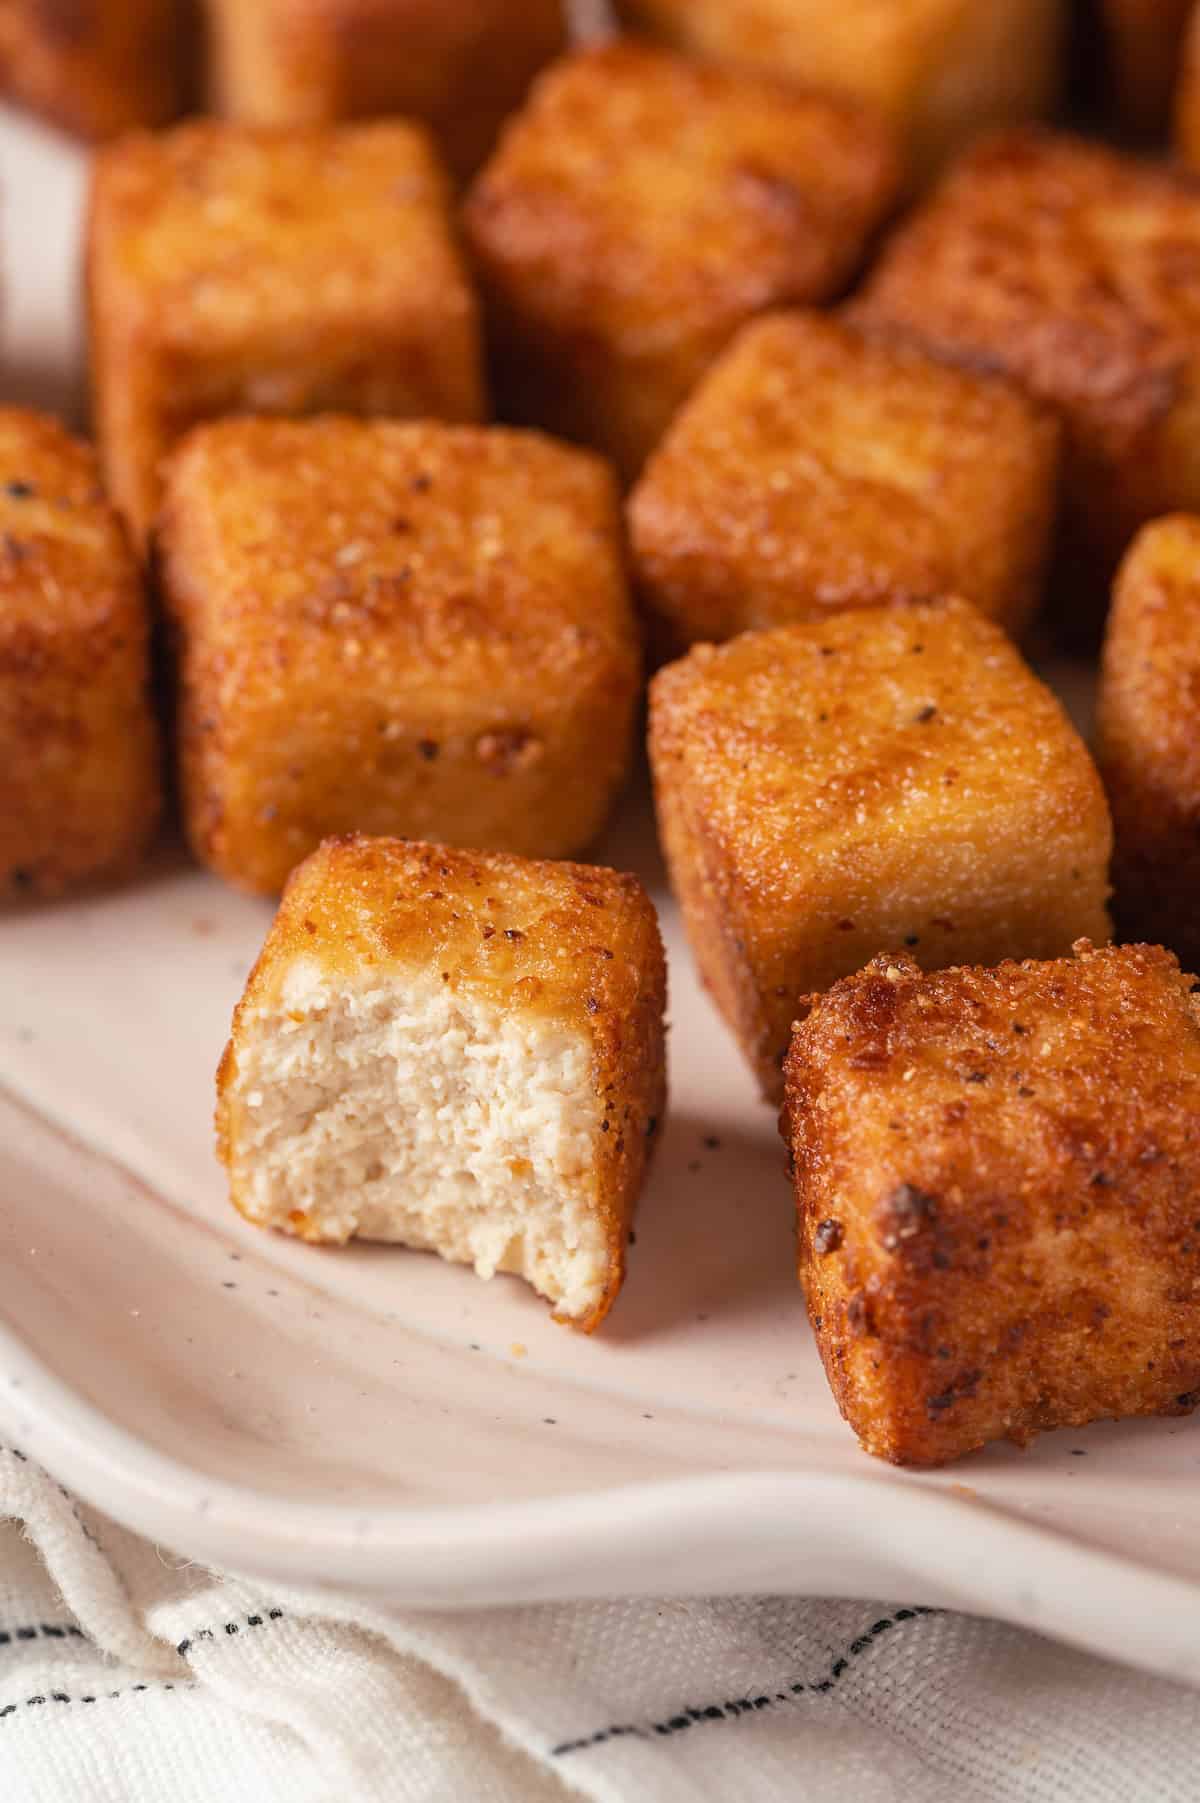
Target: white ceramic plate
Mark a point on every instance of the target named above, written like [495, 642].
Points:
[376, 1420]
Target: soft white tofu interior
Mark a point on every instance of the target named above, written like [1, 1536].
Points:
[400, 1111]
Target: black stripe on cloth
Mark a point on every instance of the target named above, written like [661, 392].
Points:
[229, 1627]
[42, 1698]
[718, 1712]
[46, 1630]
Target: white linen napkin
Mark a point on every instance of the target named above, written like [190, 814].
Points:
[128, 1675]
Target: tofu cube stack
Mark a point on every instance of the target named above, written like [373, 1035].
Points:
[405, 643]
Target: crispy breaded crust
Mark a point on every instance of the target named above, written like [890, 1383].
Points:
[1148, 735]
[884, 777]
[940, 70]
[639, 209]
[1143, 40]
[79, 754]
[997, 1176]
[1064, 264]
[459, 65]
[391, 627]
[95, 67]
[235, 270]
[573, 942]
[816, 467]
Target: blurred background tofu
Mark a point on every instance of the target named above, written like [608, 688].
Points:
[940, 70]
[458, 65]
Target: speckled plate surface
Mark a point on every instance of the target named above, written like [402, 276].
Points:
[375, 1420]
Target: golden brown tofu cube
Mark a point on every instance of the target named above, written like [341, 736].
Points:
[459, 65]
[887, 777]
[1143, 40]
[95, 67]
[643, 206]
[79, 755]
[390, 627]
[454, 1051]
[939, 70]
[1068, 267]
[815, 468]
[233, 270]
[997, 1175]
[1148, 735]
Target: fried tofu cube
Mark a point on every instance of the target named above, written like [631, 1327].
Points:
[233, 270]
[997, 1175]
[454, 1051]
[94, 67]
[80, 785]
[939, 70]
[459, 65]
[887, 777]
[817, 468]
[394, 627]
[1143, 41]
[1148, 735]
[639, 210]
[1067, 266]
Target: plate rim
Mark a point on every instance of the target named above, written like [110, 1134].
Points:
[640, 1539]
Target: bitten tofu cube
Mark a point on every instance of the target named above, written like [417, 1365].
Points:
[639, 210]
[1143, 40]
[1148, 735]
[79, 754]
[232, 270]
[1070, 268]
[454, 1051]
[815, 468]
[997, 1182]
[94, 67]
[395, 628]
[940, 70]
[459, 65]
[887, 777]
